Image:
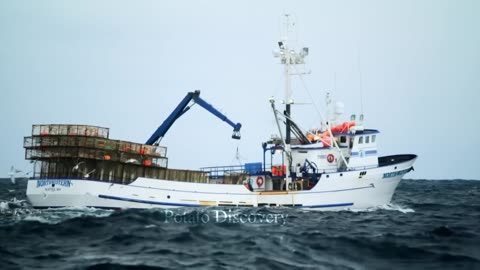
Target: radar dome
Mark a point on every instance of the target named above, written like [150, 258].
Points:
[339, 108]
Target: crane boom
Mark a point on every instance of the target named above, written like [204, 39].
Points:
[182, 108]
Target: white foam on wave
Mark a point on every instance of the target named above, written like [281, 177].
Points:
[389, 207]
[57, 215]
[80, 209]
[20, 210]
[395, 207]
[38, 218]
[12, 204]
[4, 206]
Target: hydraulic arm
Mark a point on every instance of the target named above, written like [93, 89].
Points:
[188, 101]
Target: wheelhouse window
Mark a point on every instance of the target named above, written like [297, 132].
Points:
[367, 139]
[373, 138]
[360, 140]
[343, 139]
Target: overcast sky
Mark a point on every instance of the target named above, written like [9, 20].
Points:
[126, 65]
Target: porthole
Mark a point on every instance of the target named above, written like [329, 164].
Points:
[168, 196]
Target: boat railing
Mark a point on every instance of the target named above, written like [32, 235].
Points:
[218, 172]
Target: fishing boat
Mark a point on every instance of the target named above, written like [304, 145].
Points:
[335, 166]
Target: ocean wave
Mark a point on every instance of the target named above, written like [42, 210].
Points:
[118, 266]
[428, 225]
[395, 207]
[387, 207]
[55, 216]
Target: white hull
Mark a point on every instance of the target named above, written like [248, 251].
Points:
[334, 191]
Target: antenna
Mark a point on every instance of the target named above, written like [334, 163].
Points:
[359, 24]
[360, 80]
[335, 81]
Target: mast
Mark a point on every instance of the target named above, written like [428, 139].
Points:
[288, 57]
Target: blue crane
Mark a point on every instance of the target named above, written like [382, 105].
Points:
[182, 108]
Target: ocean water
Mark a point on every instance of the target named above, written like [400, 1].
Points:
[428, 225]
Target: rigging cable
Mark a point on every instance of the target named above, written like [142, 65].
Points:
[309, 94]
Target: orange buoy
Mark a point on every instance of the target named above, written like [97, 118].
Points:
[274, 171]
[147, 162]
[326, 141]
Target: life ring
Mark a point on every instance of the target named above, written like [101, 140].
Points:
[259, 181]
[330, 158]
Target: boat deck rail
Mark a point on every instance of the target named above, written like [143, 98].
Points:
[219, 172]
